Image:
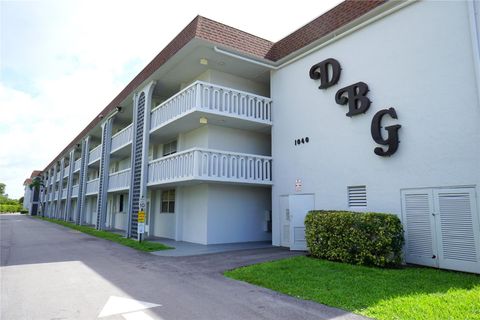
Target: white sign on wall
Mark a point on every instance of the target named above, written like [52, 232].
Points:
[298, 185]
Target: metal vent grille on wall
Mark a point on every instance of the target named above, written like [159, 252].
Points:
[357, 196]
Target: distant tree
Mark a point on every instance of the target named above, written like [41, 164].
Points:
[2, 189]
[36, 183]
[20, 201]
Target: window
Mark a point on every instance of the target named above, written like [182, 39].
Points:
[357, 196]
[169, 148]
[168, 201]
[120, 205]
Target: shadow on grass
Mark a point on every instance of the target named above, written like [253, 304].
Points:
[118, 238]
[407, 293]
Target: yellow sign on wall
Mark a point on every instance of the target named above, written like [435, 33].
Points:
[141, 216]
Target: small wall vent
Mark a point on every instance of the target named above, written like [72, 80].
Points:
[357, 196]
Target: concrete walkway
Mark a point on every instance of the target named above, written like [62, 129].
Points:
[186, 249]
[52, 272]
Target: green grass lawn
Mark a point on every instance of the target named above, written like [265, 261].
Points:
[143, 246]
[408, 293]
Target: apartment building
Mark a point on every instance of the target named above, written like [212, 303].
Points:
[227, 137]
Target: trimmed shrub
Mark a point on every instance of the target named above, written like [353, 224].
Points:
[374, 239]
[10, 207]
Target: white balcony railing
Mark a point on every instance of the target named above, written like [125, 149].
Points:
[214, 165]
[75, 191]
[55, 197]
[77, 165]
[122, 138]
[57, 176]
[92, 186]
[94, 154]
[119, 180]
[66, 171]
[64, 193]
[215, 99]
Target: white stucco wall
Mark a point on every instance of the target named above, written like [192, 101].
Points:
[115, 218]
[197, 138]
[91, 210]
[120, 164]
[424, 70]
[194, 213]
[237, 213]
[229, 80]
[236, 140]
[163, 223]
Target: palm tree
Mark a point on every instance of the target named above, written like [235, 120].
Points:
[37, 186]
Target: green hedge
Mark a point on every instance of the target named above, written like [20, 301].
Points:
[10, 207]
[354, 237]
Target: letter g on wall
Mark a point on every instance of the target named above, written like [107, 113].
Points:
[392, 136]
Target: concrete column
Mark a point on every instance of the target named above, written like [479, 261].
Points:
[83, 181]
[58, 210]
[68, 203]
[142, 107]
[104, 173]
[54, 188]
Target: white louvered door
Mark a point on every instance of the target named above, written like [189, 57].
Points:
[442, 228]
[457, 228]
[419, 225]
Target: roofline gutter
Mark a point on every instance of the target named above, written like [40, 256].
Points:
[323, 42]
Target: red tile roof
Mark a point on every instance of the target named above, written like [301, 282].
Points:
[328, 22]
[35, 173]
[242, 42]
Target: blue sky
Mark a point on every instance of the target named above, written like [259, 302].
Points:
[62, 61]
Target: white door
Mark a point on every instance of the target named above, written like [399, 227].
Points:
[284, 222]
[418, 218]
[442, 228]
[299, 205]
[457, 229]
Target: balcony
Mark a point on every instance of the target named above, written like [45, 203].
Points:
[55, 197]
[119, 180]
[66, 171]
[94, 155]
[122, 138]
[77, 165]
[223, 106]
[75, 191]
[57, 176]
[64, 193]
[211, 165]
[92, 186]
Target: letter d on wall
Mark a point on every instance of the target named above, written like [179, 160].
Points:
[321, 71]
[392, 137]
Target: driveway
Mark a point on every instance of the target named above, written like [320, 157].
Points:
[52, 272]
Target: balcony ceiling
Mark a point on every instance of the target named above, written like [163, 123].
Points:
[185, 66]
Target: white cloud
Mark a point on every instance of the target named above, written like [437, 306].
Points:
[64, 61]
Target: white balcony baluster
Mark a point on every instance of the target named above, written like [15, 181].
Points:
[214, 165]
[75, 191]
[94, 154]
[77, 165]
[92, 186]
[206, 97]
[122, 138]
[119, 180]
[66, 171]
